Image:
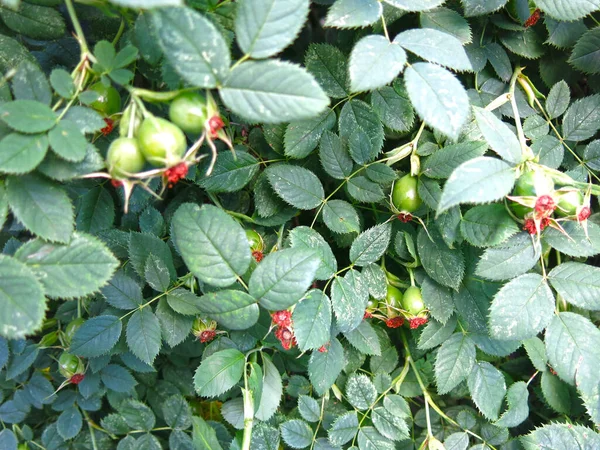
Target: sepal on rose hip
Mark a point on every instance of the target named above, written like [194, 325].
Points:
[204, 329]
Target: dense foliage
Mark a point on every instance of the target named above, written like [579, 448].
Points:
[282, 223]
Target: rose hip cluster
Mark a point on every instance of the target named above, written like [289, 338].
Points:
[284, 331]
[398, 308]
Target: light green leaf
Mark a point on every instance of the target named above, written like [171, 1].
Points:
[324, 367]
[558, 99]
[204, 436]
[454, 362]
[435, 333]
[312, 321]
[353, 13]
[233, 309]
[343, 429]
[21, 153]
[393, 107]
[273, 91]
[27, 116]
[305, 237]
[341, 217]
[296, 433]
[370, 439]
[364, 339]
[435, 46]
[184, 302]
[137, 415]
[22, 301]
[231, 172]
[487, 225]
[357, 113]
[415, 5]
[212, 244]
[390, 425]
[219, 372]
[487, 388]
[371, 244]
[174, 327]
[156, 273]
[448, 21]
[143, 335]
[71, 270]
[481, 7]
[272, 390]
[192, 45]
[122, 292]
[67, 141]
[349, 303]
[30, 83]
[480, 180]
[438, 299]
[296, 185]
[62, 83]
[561, 436]
[582, 119]
[444, 265]
[522, 308]
[360, 147]
[330, 68]
[302, 137]
[510, 259]
[577, 283]
[309, 408]
[267, 30]
[364, 190]
[443, 162]
[42, 206]
[518, 408]
[537, 353]
[457, 441]
[577, 242]
[438, 97]
[375, 278]
[360, 391]
[283, 277]
[568, 10]
[501, 139]
[334, 156]
[374, 62]
[96, 337]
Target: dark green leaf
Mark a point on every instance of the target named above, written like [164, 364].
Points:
[219, 372]
[96, 336]
[235, 310]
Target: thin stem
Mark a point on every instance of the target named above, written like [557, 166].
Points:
[385, 30]
[85, 51]
[525, 150]
[314, 439]
[119, 33]
[240, 61]
[149, 302]
[248, 410]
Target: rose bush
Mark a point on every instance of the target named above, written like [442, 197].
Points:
[291, 224]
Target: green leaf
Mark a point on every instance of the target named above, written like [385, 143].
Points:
[122, 292]
[68, 142]
[488, 225]
[348, 304]
[34, 21]
[312, 320]
[375, 62]
[62, 83]
[235, 310]
[353, 13]
[96, 337]
[343, 429]
[481, 7]
[142, 246]
[117, 378]
[69, 423]
[371, 244]
[537, 353]
[415, 5]
[480, 180]
[306, 238]
[360, 391]
[591, 155]
[390, 425]
[448, 21]
[272, 390]
[177, 412]
[572, 345]
[556, 393]
[174, 327]
[364, 339]
[27, 116]
[231, 172]
[334, 156]
[329, 67]
[266, 31]
[204, 436]
[193, 46]
[212, 244]
[435, 333]
[487, 388]
[74, 270]
[438, 97]
[302, 137]
[360, 147]
[568, 10]
[30, 83]
[143, 335]
[273, 91]
[518, 407]
[296, 185]
[393, 107]
[499, 60]
[156, 273]
[357, 113]
[41, 206]
[58, 169]
[309, 408]
[22, 302]
[438, 299]
[363, 190]
[510, 259]
[454, 362]
[522, 308]
[96, 211]
[444, 161]
[527, 43]
[324, 368]
[341, 217]
[563, 436]
[368, 437]
[577, 242]
[87, 119]
[444, 265]
[501, 139]
[558, 99]
[21, 153]
[146, 4]
[137, 415]
[184, 302]
[582, 119]
[435, 46]
[375, 278]
[283, 277]
[219, 372]
[296, 433]
[577, 283]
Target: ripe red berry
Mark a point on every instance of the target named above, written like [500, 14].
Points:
[533, 19]
[109, 126]
[395, 322]
[77, 378]
[207, 336]
[584, 214]
[257, 255]
[282, 318]
[416, 322]
[176, 173]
